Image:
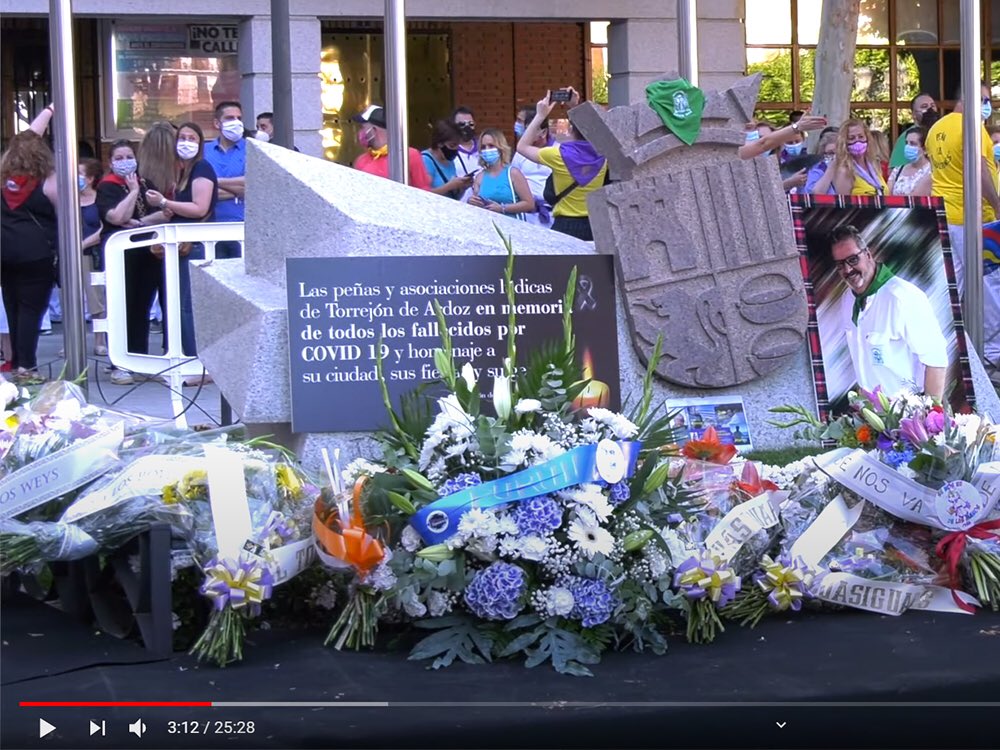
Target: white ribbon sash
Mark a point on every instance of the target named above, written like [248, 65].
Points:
[885, 597]
[58, 473]
[740, 524]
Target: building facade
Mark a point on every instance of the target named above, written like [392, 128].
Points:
[133, 68]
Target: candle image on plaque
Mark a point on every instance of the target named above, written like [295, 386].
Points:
[596, 393]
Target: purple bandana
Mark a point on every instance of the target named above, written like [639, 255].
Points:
[582, 161]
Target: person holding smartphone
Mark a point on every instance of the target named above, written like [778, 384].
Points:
[498, 186]
[577, 168]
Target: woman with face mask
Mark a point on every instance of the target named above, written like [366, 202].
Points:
[439, 160]
[914, 177]
[499, 187]
[195, 199]
[854, 171]
[121, 204]
[89, 174]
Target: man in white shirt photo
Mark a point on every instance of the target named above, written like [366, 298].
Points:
[893, 335]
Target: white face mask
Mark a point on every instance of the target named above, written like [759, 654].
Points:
[262, 136]
[187, 149]
[232, 130]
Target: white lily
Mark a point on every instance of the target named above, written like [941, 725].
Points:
[469, 375]
[501, 396]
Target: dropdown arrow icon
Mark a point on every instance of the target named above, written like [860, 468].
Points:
[781, 724]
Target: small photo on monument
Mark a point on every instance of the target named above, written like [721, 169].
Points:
[883, 302]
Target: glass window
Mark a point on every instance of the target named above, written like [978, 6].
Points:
[950, 28]
[599, 32]
[768, 21]
[873, 22]
[171, 72]
[871, 76]
[807, 74]
[917, 72]
[776, 65]
[877, 119]
[810, 14]
[916, 22]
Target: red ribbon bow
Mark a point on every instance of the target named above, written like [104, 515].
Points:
[951, 547]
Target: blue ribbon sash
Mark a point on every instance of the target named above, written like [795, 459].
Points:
[608, 460]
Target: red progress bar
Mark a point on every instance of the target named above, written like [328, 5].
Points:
[115, 704]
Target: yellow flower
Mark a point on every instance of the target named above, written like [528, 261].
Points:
[170, 496]
[288, 480]
[194, 484]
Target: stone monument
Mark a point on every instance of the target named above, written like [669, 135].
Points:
[706, 257]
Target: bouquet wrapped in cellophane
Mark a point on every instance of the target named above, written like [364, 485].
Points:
[910, 503]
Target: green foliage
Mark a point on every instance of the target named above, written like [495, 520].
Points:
[567, 650]
[455, 637]
[599, 84]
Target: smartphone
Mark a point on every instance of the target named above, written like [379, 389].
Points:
[560, 95]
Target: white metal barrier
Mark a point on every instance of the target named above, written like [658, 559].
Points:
[173, 364]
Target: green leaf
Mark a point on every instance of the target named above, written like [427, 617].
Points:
[403, 503]
[455, 638]
[567, 651]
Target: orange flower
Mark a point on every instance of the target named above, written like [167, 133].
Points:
[863, 434]
[751, 483]
[709, 449]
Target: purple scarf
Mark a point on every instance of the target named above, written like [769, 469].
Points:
[582, 161]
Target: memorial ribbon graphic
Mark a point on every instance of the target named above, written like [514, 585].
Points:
[607, 460]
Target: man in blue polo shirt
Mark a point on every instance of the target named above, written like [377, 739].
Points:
[228, 156]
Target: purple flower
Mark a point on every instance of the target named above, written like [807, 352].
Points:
[707, 577]
[539, 515]
[459, 483]
[593, 601]
[912, 430]
[884, 442]
[935, 422]
[620, 493]
[872, 397]
[497, 592]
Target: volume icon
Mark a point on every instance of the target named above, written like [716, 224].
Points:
[95, 728]
[137, 728]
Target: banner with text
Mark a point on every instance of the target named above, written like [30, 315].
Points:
[339, 309]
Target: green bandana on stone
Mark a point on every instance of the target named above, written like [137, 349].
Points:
[881, 278]
[679, 105]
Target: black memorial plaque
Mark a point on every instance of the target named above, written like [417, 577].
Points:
[339, 309]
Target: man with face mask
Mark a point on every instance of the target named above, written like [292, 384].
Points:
[892, 333]
[228, 156]
[919, 108]
[375, 161]
[467, 160]
[945, 150]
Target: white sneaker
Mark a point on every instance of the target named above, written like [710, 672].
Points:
[122, 377]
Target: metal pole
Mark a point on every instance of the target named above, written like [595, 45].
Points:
[67, 167]
[972, 134]
[281, 74]
[687, 39]
[395, 89]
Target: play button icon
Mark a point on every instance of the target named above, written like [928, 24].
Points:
[44, 728]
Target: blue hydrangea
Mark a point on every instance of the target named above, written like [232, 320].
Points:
[539, 515]
[620, 493]
[895, 459]
[497, 592]
[593, 602]
[459, 483]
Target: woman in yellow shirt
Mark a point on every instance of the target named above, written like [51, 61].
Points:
[854, 171]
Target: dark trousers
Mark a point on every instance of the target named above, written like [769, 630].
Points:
[228, 249]
[143, 279]
[574, 226]
[26, 290]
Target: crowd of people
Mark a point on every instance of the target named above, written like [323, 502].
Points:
[173, 175]
[539, 180]
[176, 175]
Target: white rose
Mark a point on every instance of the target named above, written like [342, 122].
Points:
[526, 405]
[559, 601]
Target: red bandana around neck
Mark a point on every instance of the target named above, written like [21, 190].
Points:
[17, 189]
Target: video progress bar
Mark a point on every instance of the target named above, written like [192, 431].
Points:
[509, 704]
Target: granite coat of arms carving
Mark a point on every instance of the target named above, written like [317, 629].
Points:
[706, 255]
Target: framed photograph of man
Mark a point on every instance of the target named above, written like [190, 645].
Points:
[883, 303]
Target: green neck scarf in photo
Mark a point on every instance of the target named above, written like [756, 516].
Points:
[882, 276]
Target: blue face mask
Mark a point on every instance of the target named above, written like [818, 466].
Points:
[518, 129]
[794, 149]
[752, 136]
[996, 151]
[912, 153]
[987, 109]
[81, 182]
[490, 155]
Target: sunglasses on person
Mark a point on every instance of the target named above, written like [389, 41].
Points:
[850, 261]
